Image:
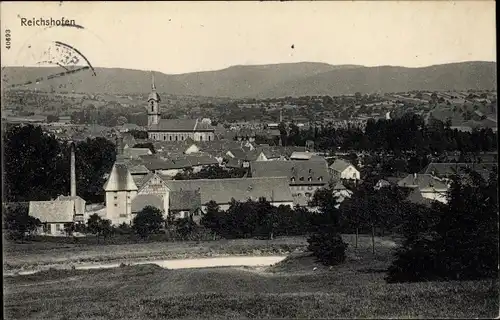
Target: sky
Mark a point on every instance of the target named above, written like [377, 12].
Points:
[181, 37]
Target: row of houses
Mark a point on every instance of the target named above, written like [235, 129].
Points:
[138, 180]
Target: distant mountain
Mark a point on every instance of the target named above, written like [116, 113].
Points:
[267, 81]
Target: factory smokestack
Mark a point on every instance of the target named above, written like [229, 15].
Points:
[73, 170]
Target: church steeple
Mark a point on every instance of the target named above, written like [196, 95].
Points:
[153, 106]
[153, 87]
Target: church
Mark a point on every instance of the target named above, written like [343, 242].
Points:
[174, 129]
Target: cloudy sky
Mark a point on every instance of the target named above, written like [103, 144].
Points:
[186, 37]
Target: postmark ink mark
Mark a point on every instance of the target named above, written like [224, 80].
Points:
[63, 55]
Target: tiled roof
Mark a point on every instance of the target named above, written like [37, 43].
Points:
[53, 211]
[233, 163]
[448, 169]
[340, 165]
[79, 203]
[140, 201]
[184, 200]
[201, 160]
[241, 189]
[181, 125]
[120, 179]
[301, 155]
[422, 181]
[317, 170]
[135, 153]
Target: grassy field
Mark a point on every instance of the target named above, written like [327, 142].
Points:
[41, 255]
[294, 288]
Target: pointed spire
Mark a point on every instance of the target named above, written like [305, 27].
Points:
[153, 81]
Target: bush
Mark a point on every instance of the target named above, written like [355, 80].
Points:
[328, 248]
[149, 220]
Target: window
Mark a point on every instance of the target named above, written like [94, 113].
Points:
[309, 179]
[116, 204]
[164, 137]
[201, 138]
[58, 227]
[292, 179]
[208, 138]
[301, 179]
[175, 138]
[115, 197]
[308, 194]
[123, 215]
[170, 138]
[320, 178]
[46, 227]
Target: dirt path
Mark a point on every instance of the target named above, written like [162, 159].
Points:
[233, 261]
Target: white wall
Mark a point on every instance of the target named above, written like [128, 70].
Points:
[119, 206]
[350, 173]
[434, 195]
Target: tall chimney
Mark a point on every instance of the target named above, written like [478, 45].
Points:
[73, 171]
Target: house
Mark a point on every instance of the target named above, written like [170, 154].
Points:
[186, 203]
[304, 177]
[341, 192]
[64, 209]
[120, 189]
[154, 184]
[446, 170]
[429, 186]
[201, 161]
[53, 215]
[341, 169]
[301, 155]
[222, 191]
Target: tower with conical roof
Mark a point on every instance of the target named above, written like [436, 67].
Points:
[153, 104]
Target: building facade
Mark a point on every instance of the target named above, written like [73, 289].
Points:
[174, 129]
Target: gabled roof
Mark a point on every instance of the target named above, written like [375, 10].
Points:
[241, 189]
[181, 125]
[294, 170]
[120, 179]
[184, 200]
[340, 165]
[79, 203]
[148, 177]
[143, 200]
[339, 187]
[422, 181]
[53, 211]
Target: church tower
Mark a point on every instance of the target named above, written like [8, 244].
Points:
[153, 104]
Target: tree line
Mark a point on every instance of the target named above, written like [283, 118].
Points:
[407, 133]
[37, 165]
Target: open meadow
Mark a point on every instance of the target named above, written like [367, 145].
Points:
[294, 288]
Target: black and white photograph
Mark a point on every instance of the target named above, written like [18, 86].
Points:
[249, 160]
